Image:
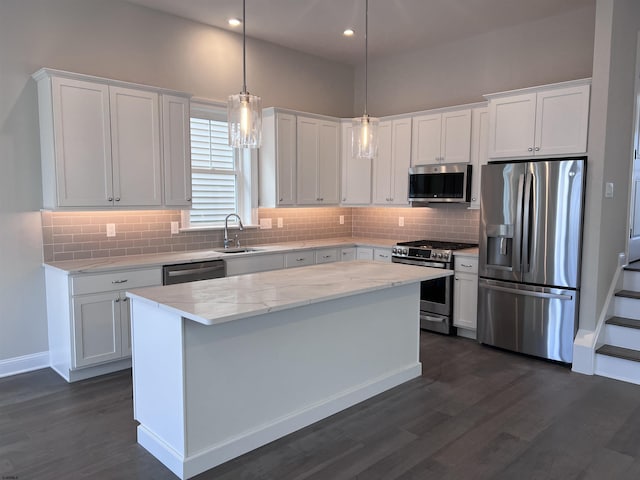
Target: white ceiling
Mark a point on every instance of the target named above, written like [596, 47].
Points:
[316, 26]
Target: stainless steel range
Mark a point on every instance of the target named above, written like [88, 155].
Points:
[436, 296]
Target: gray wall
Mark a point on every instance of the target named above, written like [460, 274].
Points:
[610, 150]
[115, 39]
[546, 51]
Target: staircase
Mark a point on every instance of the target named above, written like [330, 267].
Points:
[619, 357]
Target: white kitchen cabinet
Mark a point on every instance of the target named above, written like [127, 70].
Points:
[299, 258]
[540, 121]
[277, 179]
[254, 263]
[327, 255]
[101, 142]
[465, 292]
[176, 148]
[391, 166]
[382, 254]
[347, 254]
[88, 319]
[356, 172]
[479, 151]
[441, 138]
[364, 253]
[318, 161]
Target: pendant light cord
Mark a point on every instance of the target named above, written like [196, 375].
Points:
[244, 48]
[366, 53]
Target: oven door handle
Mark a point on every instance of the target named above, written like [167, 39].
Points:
[420, 263]
[432, 318]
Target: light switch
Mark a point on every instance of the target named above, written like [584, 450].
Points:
[608, 190]
[280, 222]
[175, 228]
[111, 229]
[401, 221]
[341, 219]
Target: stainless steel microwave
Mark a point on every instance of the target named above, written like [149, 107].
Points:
[441, 183]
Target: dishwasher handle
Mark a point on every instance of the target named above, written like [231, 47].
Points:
[191, 272]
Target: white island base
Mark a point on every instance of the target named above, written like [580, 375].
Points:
[205, 394]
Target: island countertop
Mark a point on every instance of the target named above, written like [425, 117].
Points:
[221, 300]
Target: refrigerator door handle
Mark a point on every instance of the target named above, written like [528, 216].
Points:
[517, 237]
[529, 293]
[526, 228]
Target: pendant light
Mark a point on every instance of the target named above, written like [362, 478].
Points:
[244, 111]
[364, 139]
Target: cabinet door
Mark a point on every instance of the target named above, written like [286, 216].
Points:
[562, 119]
[328, 167]
[348, 254]
[125, 325]
[286, 159]
[97, 329]
[82, 132]
[356, 172]
[401, 160]
[382, 165]
[465, 300]
[427, 131]
[511, 126]
[382, 254]
[135, 147]
[479, 151]
[364, 253]
[176, 149]
[455, 143]
[308, 138]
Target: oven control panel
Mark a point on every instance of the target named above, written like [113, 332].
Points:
[422, 253]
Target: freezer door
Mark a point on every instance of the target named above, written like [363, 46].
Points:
[552, 226]
[537, 321]
[501, 207]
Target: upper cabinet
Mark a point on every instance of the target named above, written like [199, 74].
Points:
[299, 159]
[541, 121]
[441, 137]
[176, 148]
[391, 166]
[103, 143]
[479, 151]
[356, 172]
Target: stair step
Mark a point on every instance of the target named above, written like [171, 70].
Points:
[628, 294]
[623, 322]
[619, 352]
[633, 266]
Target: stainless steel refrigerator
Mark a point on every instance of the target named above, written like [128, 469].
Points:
[530, 250]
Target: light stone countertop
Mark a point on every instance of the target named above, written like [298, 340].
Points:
[221, 300]
[467, 252]
[105, 264]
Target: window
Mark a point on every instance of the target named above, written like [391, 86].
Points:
[221, 175]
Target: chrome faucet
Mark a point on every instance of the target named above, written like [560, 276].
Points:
[226, 229]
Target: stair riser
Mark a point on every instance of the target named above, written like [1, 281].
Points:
[631, 281]
[622, 336]
[617, 368]
[627, 307]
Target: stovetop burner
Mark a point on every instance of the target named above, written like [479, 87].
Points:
[437, 245]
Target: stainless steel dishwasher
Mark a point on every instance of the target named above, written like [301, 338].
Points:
[193, 271]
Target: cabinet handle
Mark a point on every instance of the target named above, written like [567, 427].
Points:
[299, 259]
[189, 199]
[456, 279]
[117, 199]
[326, 256]
[120, 281]
[530, 149]
[465, 265]
[117, 300]
[280, 199]
[110, 199]
[125, 299]
[473, 199]
[537, 149]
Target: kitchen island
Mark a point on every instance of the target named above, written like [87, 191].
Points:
[221, 367]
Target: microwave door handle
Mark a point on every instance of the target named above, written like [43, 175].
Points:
[526, 229]
[517, 237]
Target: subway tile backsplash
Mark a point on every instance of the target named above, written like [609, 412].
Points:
[79, 235]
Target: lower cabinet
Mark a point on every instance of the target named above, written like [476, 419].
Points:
[299, 259]
[254, 264]
[89, 322]
[327, 255]
[348, 254]
[369, 253]
[465, 293]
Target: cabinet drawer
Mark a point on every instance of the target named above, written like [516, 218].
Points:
[466, 264]
[122, 280]
[348, 254]
[327, 255]
[382, 254]
[299, 259]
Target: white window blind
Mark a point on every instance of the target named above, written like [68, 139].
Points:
[214, 173]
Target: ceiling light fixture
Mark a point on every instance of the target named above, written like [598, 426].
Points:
[364, 136]
[234, 22]
[244, 111]
[348, 32]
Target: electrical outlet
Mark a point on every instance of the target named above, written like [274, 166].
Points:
[608, 190]
[401, 221]
[341, 219]
[175, 228]
[111, 229]
[265, 223]
[280, 222]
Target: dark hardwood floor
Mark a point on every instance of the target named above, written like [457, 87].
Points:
[476, 413]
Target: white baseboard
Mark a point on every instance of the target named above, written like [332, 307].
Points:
[187, 467]
[25, 363]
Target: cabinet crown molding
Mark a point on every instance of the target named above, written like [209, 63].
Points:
[537, 88]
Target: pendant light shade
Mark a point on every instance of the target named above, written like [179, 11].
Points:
[364, 140]
[244, 111]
